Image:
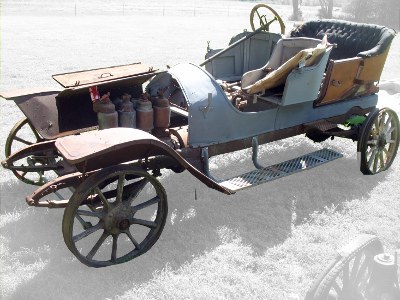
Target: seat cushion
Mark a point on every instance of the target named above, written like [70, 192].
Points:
[306, 57]
[352, 39]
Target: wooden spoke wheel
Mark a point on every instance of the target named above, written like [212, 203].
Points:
[379, 141]
[258, 18]
[348, 276]
[22, 135]
[126, 217]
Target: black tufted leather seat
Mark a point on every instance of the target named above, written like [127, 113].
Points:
[352, 39]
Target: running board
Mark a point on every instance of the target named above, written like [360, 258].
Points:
[280, 170]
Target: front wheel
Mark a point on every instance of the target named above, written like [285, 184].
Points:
[379, 141]
[125, 217]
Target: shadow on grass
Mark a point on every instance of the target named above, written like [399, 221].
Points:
[263, 216]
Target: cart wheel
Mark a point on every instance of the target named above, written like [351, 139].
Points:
[22, 135]
[261, 10]
[125, 219]
[379, 141]
[347, 277]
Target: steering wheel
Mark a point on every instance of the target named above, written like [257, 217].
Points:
[261, 10]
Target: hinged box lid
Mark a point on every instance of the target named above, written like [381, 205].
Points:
[97, 76]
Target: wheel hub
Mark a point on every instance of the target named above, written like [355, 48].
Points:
[124, 224]
[381, 141]
[117, 220]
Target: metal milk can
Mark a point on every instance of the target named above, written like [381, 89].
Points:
[162, 112]
[107, 117]
[144, 114]
[126, 113]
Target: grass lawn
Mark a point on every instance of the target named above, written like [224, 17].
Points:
[268, 242]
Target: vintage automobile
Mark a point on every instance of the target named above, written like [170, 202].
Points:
[321, 80]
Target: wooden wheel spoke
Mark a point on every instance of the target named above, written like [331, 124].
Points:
[361, 271]
[87, 232]
[386, 152]
[372, 158]
[135, 191]
[355, 268]
[149, 224]
[374, 133]
[390, 130]
[376, 157]
[88, 213]
[133, 240]
[369, 152]
[114, 248]
[376, 124]
[97, 246]
[382, 123]
[337, 288]
[103, 199]
[120, 188]
[148, 203]
[346, 277]
[21, 140]
[390, 141]
[387, 123]
[381, 159]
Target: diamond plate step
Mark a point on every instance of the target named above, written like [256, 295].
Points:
[280, 170]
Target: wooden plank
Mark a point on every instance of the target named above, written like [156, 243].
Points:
[372, 68]
[17, 93]
[340, 78]
[95, 76]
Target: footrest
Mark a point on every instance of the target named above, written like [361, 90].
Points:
[322, 125]
[279, 170]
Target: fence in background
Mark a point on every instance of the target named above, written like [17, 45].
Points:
[126, 8]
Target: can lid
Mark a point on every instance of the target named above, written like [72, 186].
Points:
[144, 105]
[161, 102]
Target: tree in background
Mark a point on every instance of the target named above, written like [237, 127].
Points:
[296, 10]
[326, 9]
[383, 12]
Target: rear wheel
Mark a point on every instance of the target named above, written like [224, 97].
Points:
[126, 217]
[379, 141]
[348, 276]
[23, 134]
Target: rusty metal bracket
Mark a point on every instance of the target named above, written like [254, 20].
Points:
[254, 157]
[66, 181]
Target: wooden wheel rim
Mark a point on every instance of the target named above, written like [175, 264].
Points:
[113, 218]
[379, 141]
[12, 137]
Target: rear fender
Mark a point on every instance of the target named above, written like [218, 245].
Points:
[104, 148]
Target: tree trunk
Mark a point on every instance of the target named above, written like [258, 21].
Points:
[330, 9]
[295, 10]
